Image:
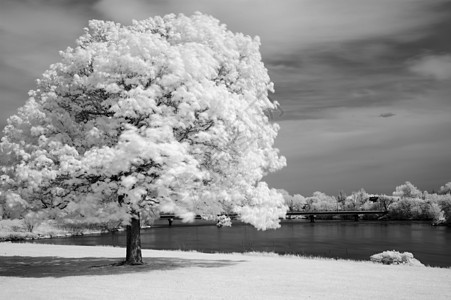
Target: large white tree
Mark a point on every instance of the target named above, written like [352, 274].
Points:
[168, 114]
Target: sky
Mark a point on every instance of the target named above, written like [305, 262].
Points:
[364, 85]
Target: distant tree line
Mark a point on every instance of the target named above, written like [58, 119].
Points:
[407, 202]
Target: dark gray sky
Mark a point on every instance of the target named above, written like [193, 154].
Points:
[365, 85]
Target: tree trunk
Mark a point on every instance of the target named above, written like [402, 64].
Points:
[134, 256]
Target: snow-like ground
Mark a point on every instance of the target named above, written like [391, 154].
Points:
[34, 271]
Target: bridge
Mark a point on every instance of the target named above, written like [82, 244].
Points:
[310, 214]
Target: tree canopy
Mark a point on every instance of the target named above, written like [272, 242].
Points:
[167, 114]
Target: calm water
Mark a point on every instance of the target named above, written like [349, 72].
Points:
[343, 239]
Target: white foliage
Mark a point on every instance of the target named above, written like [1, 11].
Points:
[321, 202]
[224, 221]
[396, 258]
[445, 189]
[165, 114]
[262, 207]
[296, 202]
[407, 190]
[356, 200]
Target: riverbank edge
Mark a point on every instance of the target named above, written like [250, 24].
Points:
[248, 253]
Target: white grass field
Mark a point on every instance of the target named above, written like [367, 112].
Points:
[34, 271]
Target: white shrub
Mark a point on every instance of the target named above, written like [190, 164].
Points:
[395, 258]
[224, 221]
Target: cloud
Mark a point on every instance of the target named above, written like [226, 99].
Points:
[387, 115]
[308, 85]
[354, 148]
[286, 25]
[434, 66]
[320, 54]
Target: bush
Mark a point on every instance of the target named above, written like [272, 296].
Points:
[13, 206]
[410, 209]
[407, 190]
[395, 258]
[31, 220]
[11, 225]
[446, 189]
[14, 230]
[298, 202]
[436, 214]
[79, 227]
[444, 204]
[321, 202]
[224, 221]
[17, 236]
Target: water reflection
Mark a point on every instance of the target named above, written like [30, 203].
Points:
[431, 245]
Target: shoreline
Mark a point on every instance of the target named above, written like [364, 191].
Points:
[338, 250]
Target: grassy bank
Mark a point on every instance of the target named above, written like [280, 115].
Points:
[17, 230]
[34, 271]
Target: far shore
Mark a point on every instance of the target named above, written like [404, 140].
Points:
[48, 232]
[38, 271]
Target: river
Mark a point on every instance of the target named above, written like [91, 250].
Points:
[338, 239]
